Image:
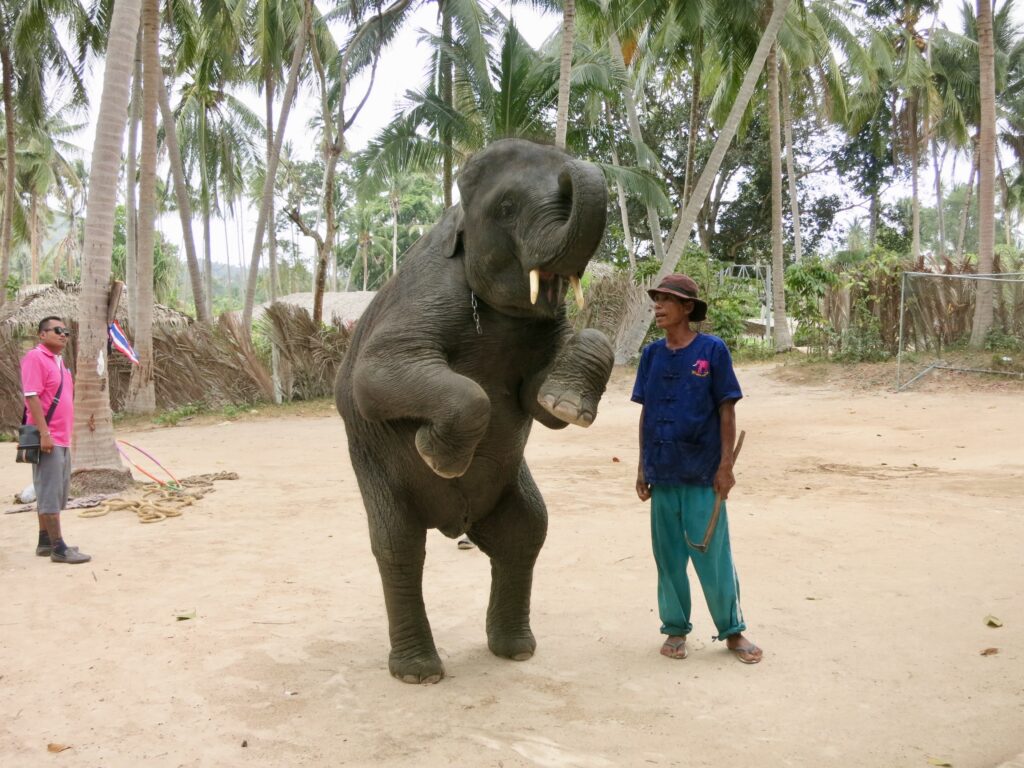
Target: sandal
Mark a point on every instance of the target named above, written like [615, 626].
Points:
[748, 654]
[674, 647]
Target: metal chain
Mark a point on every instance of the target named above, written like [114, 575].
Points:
[476, 315]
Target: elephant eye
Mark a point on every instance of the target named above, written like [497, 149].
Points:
[506, 208]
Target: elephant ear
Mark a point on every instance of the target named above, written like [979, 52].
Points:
[447, 234]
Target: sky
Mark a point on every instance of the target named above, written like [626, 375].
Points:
[401, 68]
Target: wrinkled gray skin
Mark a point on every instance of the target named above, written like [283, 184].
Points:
[438, 409]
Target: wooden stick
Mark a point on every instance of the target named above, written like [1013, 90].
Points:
[713, 522]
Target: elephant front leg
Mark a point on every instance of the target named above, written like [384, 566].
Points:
[570, 389]
[512, 536]
[454, 409]
[413, 657]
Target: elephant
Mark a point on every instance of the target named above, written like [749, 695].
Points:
[448, 367]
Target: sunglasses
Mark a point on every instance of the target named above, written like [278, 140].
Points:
[59, 331]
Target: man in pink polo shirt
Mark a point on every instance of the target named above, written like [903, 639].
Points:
[43, 375]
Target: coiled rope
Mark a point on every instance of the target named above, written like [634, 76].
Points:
[155, 502]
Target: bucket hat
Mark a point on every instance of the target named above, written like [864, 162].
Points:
[686, 289]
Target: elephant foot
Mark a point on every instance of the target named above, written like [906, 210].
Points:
[418, 669]
[441, 458]
[518, 646]
[568, 405]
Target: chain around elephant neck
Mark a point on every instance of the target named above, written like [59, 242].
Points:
[476, 315]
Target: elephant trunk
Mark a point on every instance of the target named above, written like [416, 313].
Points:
[583, 192]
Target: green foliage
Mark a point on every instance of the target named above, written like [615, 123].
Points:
[998, 340]
[862, 341]
[173, 416]
[13, 285]
[806, 285]
[233, 411]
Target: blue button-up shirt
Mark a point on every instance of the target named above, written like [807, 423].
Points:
[681, 391]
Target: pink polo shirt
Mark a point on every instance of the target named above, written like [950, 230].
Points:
[40, 376]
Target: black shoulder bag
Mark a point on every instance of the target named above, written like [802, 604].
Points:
[29, 441]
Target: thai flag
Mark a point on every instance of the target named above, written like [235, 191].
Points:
[119, 341]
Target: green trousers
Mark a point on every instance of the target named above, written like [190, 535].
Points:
[677, 512]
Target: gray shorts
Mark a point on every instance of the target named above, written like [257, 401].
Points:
[52, 480]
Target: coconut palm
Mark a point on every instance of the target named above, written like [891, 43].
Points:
[631, 337]
[141, 392]
[986, 166]
[33, 54]
[94, 448]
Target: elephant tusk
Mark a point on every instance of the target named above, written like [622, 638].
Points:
[578, 288]
[534, 285]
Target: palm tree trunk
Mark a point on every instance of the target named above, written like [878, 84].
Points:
[915, 197]
[653, 220]
[130, 180]
[394, 201]
[940, 208]
[141, 392]
[181, 197]
[631, 336]
[332, 147]
[268, 183]
[694, 127]
[275, 353]
[364, 246]
[7, 220]
[1004, 191]
[565, 70]
[627, 235]
[780, 325]
[794, 201]
[446, 74]
[986, 171]
[93, 444]
[207, 260]
[965, 209]
[33, 236]
[268, 93]
[227, 254]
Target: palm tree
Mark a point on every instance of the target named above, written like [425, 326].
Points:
[565, 70]
[32, 48]
[94, 448]
[141, 392]
[986, 165]
[631, 337]
[266, 198]
[780, 325]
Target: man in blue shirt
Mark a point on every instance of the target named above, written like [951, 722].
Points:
[688, 390]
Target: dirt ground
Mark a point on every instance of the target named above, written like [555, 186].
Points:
[874, 534]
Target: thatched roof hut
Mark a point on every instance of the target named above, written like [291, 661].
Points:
[60, 298]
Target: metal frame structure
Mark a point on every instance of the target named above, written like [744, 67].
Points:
[998, 277]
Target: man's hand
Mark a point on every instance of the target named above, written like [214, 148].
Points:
[46, 443]
[724, 480]
[643, 489]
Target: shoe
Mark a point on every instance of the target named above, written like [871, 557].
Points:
[465, 543]
[71, 556]
[44, 550]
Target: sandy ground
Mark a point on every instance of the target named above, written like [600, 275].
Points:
[874, 533]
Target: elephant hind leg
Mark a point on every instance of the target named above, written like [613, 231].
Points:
[512, 536]
[400, 550]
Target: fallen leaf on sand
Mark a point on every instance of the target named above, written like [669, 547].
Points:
[992, 621]
[940, 762]
[990, 652]
[57, 747]
[185, 616]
